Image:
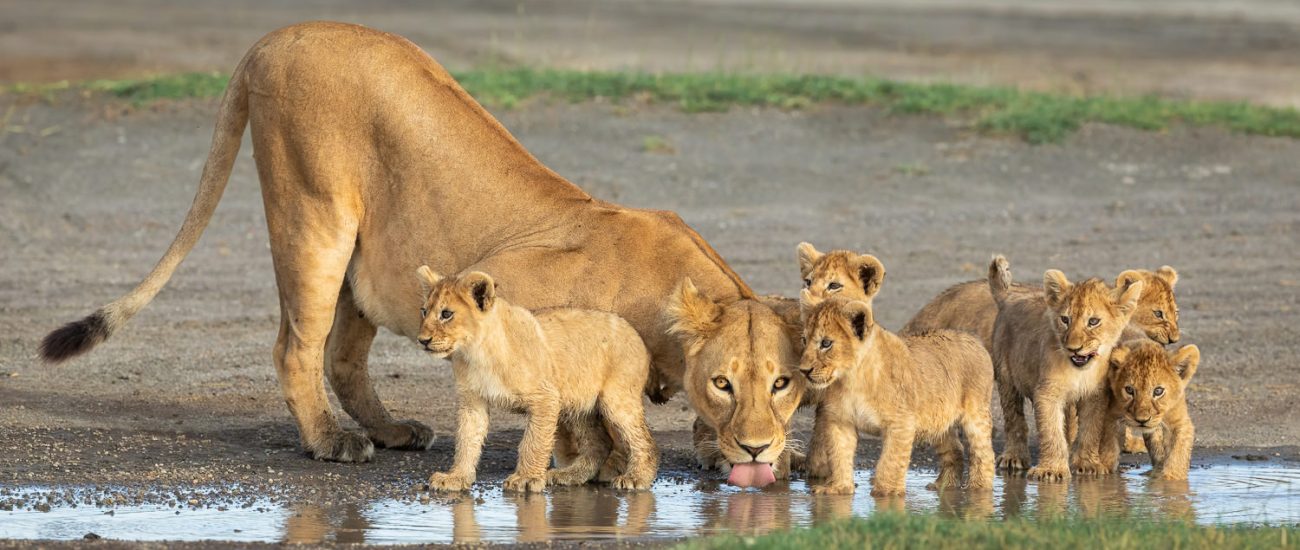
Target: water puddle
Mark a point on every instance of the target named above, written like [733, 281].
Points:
[1229, 493]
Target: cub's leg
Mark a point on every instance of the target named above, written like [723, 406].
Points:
[1098, 447]
[1071, 422]
[977, 423]
[584, 430]
[1053, 449]
[1015, 456]
[566, 446]
[896, 455]
[537, 444]
[841, 441]
[471, 431]
[345, 363]
[948, 447]
[623, 411]
[818, 460]
[1131, 443]
[1179, 457]
[1157, 448]
[707, 454]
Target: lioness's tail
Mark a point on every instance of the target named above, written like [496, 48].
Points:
[79, 337]
[999, 278]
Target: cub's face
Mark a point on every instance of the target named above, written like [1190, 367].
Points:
[836, 332]
[1146, 381]
[1089, 316]
[453, 309]
[740, 372]
[1157, 312]
[840, 273]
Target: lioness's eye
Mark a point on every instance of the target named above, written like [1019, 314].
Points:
[1160, 314]
[1065, 320]
[1159, 391]
[807, 283]
[780, 383]
[721, 383]
[834, 286]
[424, 312]
[446, 314]
[1092, 322]
[1128, 390]
[826, 344]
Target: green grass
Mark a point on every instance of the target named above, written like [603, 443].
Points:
[1035, 116]
[919, 531]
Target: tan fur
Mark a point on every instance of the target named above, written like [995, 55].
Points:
[559, 365]
[740, 377]
[918, 388]
[374, 161]
[840, 273]
[1140, 369]
[1034, 337]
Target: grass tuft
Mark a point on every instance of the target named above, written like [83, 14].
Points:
[1034, 116]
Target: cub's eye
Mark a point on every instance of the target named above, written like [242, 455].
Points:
[807, 283]
[424, 312]
[780, 383]
[834, 286]
[1065, 320]
[1128, 390]
[721, 383]
[1092, 322]
[1159, 314]
[1159, 391]
[446, 314]
[826, 344]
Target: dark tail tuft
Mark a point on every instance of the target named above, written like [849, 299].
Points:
[74, 338]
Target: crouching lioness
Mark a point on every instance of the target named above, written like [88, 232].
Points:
[906, 389]
[560, 365]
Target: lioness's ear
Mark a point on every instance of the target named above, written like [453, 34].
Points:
[428, 278]
[1186, 359]
[481, 288]
[692, 316]
[807, 257]
[872, 274]
[1127, 278]
[1126, 297]
[1168, 274]
[860, 318]
[1055, 286]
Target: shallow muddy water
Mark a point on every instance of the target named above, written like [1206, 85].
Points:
[1228, 493]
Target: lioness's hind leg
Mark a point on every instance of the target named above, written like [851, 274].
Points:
[349, 375]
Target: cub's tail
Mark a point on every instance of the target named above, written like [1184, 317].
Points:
[78, 337]
[999, 278]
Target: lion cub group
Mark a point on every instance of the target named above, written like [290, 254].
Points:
[1065, 346]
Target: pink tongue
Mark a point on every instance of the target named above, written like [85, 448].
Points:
[751, 474]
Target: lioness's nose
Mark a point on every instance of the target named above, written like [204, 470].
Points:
[753, 451]
[425, 341]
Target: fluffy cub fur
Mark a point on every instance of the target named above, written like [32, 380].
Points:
[1053, 348]
[1147, 394]
[558, 365]
[906, 389]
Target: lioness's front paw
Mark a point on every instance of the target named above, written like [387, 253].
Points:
[628, 482]
[524, 484]
[798, 461]
[449, 482]
[343, 446]
[1013, 462]
[405, 434]
[1049, 473]
[833, 489]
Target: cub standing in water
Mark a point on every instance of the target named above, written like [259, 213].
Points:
[1147, 394]
[919, 387]
[1054, 348]
[560, 365]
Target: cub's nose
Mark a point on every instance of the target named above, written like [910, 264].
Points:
[425, 341]
[1142, 421]
[753, 451]
[807, 373]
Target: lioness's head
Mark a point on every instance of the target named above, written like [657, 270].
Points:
[840, 273]
[836, 334]
[1147, 380]
[453, 309]
[740, 374]
[1089, 316]
[1157, 312]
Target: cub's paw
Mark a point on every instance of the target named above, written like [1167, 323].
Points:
[628, 482]
[948, 477]
[798, 461]
[833, 489]
[522, 484]
[565, 477]
[1092, 468]
[888, 490]
[1049, 473]
[1169, 475]
[713, 463]
[449, 482]
[344, 446]
[408, 435]
[1013, 462]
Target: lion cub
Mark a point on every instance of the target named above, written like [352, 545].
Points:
[906, 389]
[1147, 386]
[1053, 348]
[840, 273]
[559, 365]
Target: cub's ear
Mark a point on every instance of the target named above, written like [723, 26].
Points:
[807, 257]
[428, 278]
[1186, 359]
[692, 316]
[1055, 286]
[1168, 274]
[860, 318]
[1127, 278]
[1118, 356]
[872, 274]
[1126, 297]
[481, 288]
[807, 302]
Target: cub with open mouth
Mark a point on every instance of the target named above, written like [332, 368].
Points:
[575, 366]
[1053, 348]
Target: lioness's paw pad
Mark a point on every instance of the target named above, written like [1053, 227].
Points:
[449, 482]
[524, 484]
[345, 447]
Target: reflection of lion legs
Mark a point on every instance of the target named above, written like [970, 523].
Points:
[345, 363]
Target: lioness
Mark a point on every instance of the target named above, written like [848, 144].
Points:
[1053, 348]
[744, 400]
[560, 365]
[374, 161]
[907, 389]
[1147, 394]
